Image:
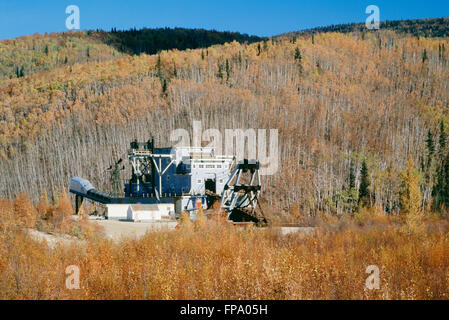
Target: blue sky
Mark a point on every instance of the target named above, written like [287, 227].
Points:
[259, 17]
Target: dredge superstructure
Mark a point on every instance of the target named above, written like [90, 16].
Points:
[167, 181]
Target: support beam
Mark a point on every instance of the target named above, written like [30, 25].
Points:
[78, 202]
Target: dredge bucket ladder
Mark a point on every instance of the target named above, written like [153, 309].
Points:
[239, 199]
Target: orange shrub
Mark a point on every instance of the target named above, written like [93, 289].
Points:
[225, 262]
[24, 210]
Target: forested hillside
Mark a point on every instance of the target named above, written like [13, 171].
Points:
[350, 110]
[435, 27]
[30, 54]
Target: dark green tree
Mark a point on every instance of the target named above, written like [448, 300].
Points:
[298, 54]
[347, 199]
[228, 70]
[220, 71]
[159, 67]
[164, 86]
[440, 192]
[351, 178]
[424, 56]
[364, 185]
[430, 148]
[20, 72]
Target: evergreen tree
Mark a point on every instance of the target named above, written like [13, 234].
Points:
[164, 86]
[220, 71]
[175, 72]
[430, 148]
[20, 72]
[159, 66]
[422, 164]
[444, 190]
[298, 58]
[351, 178]
[440, 191]
[440, 172]
[228, 70]
[443, 51]
[352, 193]
[364, 185]
[298, 54]
[424, 56]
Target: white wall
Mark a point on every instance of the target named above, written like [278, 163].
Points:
[146, 215]
[139, 212]
[117, 211]
[165, 208]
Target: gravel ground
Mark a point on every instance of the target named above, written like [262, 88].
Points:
[53, 238]
[116, 230]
